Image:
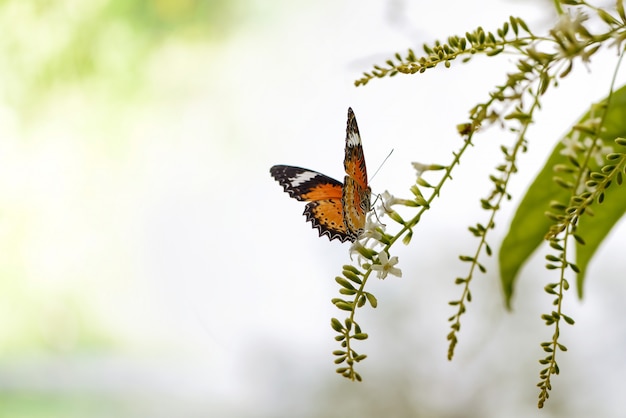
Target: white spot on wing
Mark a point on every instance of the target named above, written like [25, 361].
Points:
[354, 139]
[303, 177]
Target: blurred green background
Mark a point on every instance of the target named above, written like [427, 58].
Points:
[77, 78]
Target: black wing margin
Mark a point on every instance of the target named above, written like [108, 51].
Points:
[300, 182]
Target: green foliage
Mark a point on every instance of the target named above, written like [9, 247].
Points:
[55, 44]
[353, 282]
[529, 225]
[578, 180]
[472, 43]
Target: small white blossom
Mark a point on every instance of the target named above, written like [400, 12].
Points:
[571, 145]
[572, 35]
[420, 168]
[355, 249]
[389, 200]
[593, 123]
[599, 149]
[372, 230]
[571, 24]
[386, 265]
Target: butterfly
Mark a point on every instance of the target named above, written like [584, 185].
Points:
[336, 209]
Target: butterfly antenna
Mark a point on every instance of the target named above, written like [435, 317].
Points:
[381, 164]
[378, 196]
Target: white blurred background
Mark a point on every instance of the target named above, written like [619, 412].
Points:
[151, 267]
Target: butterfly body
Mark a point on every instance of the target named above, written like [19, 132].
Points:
[337, 210]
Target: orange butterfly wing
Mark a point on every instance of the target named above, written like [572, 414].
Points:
[356, 196]
[336, 210]
[325, 208]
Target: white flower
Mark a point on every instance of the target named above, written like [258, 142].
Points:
[571, 24]
[571, 145]
[572, 37]
[388, 200]
[386, 265]
[372, 230]
[599, 149]
[358, 249]
[420, 168]
[361, 248]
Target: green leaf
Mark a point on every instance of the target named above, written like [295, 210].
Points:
[345, 306]
[360, 357]
[344, 283]
[595, 228]
[336, 324]
[351, 276]
[371, 299]
[529, 225]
